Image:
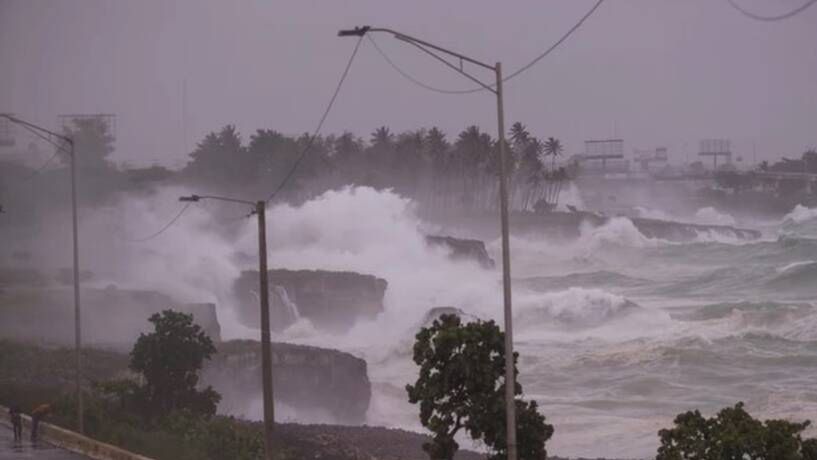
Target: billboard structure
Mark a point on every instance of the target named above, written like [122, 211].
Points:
[600, 152]
[715, 148]
[651, 159]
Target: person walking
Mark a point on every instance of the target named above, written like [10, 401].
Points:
[16, 422]
[37, 415]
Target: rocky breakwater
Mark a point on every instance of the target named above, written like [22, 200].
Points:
[329, 300]
[311, 385]
[569, 225]
[463, 249]
[678, 231]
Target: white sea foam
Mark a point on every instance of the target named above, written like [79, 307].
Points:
[711, 216]
[794, 265]
[800, 214]
[650, 213]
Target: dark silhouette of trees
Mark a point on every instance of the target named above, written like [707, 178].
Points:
[93, 142]
[221, 160]
[421, 164]
[734, 434]
[169, 359]
[553, 148]
[460, 387]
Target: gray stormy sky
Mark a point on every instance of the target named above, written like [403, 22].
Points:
[654, 72]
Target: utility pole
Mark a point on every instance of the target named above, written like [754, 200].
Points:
[510, 376]
[259, 209]
[266, 347]
[74, 225]
[77, 305]
[433, 50]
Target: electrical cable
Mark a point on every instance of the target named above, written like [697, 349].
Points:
[320, 124]
[780, 17]
[161, 230]
[514, 74]
[49, 160]
[47, 139]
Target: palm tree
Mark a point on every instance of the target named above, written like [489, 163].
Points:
[439, 152]
[553, 147]
[473, 151]
[519, 136]
[382, 137]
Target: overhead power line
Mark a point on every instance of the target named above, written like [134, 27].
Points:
[161, 230]
[514, 74]
[59, 148]
[291, 171]
[311, 140]
[779, 17]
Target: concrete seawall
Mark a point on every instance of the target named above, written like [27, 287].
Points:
[75, 442]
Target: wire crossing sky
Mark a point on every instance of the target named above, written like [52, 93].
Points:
[779, 17]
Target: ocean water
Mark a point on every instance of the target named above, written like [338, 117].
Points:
[617, 332]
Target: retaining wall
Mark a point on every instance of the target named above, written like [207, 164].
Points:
[74, 442]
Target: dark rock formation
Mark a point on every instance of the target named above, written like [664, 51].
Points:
[330, 300]
[110, 317]
[319, 385]
[463, 249]
[677, 231]
[307, 380]
[568, 225]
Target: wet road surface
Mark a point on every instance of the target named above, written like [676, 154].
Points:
[9, 450]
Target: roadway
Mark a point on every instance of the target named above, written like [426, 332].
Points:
[42, 451]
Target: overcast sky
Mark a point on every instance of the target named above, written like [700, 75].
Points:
[653, 72]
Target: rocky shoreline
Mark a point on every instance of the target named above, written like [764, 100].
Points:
[334, 442]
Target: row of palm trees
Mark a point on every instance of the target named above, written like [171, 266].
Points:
[423, 164]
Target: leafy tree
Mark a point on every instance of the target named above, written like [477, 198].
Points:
[221, 159]
[170, 359]
[733, 434]
[461, 368]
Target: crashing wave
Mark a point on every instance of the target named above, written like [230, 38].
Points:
[575, 307]
[618, 231]
[711, 216]
[799, 215]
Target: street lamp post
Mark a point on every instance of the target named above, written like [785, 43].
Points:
[74, 225]
[259, 208]
[432, 50]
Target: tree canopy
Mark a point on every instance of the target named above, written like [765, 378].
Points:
[733, 434]
[461, 386]
[169, 359]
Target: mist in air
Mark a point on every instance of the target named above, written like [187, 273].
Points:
[661, 192]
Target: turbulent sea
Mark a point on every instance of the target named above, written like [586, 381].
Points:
[617, 333]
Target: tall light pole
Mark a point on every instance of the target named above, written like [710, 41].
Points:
[259, 208]
[74, 225]
[432, 50]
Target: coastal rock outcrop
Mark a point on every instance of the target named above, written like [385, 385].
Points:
[311, 384]
[569, 225]
[330, 300]
[111, 317]
[463, 249]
